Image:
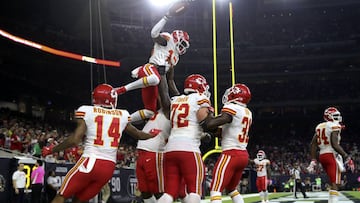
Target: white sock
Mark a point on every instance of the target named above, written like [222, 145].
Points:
[215, 197]
[141, 115]
[146, 81]
[193, 198]
[152, 199]
[236, 197]
[185, 199]
[333, 196]
[266, 195]
[262, 195]
[166, 198]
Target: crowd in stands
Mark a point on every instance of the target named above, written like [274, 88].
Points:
[29, 135]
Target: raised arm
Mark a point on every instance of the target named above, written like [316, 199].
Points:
[164, 96]
[155, 31]
[73, 139]
[171, 82]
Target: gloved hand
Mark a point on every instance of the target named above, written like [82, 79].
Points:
[311, 167]
[120, 90]
[154, 132]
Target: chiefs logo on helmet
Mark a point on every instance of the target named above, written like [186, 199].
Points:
[239, 93]
[181, 40]
[196, 83]
[104, 95]
[332, 114]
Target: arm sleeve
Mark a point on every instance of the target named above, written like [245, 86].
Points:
[155, 31]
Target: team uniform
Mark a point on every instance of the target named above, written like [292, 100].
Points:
[166, 56]
[327, 153]
[261, 172]
[149, 164]
[97, 163]
[182, 152]
[234, 158]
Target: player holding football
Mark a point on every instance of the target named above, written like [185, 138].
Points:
[327, 139]
[165, 55]
[263, 172]
[235, 119]
[182, 152]
[103, 126]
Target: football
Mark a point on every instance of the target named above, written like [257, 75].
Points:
[178, 8]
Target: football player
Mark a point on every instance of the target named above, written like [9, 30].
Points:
[165, 55]
[103, 125]
[327, 140]
[235, 119]
[263, 172]
[182, 152]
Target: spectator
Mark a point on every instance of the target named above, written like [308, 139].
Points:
[52, 185]
[19, 182]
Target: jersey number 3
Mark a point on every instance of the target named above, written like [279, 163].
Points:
[112, 131]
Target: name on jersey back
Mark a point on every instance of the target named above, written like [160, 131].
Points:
[113, 112]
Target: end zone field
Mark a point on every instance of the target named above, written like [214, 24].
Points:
[314, 197]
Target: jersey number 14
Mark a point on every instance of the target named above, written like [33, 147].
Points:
[113, 131]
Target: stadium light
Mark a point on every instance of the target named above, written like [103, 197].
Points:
[161, 3]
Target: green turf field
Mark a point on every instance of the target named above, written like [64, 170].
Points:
[353, 196]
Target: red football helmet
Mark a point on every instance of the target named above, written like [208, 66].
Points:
[196, 83]
[261, 155]
[332, 114]
[104, 95]
[239, 93]
[181, 40]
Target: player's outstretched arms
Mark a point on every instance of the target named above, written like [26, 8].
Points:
[73, 139]
[140, 135]
[155, 31]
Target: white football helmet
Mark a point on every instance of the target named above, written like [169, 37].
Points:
[181, 40]
[261, 155]
[332, 114]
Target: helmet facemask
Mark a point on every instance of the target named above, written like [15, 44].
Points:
[260, 155]
[181, 40]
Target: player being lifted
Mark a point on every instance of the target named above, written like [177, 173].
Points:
[101, 127]
[327, 139]
[165, 55]
[235, 119]
[263, 172]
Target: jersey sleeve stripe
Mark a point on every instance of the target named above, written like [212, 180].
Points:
[145, 81]
[203, 101]
[227, 110]
[79, 114]
[147, 69]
